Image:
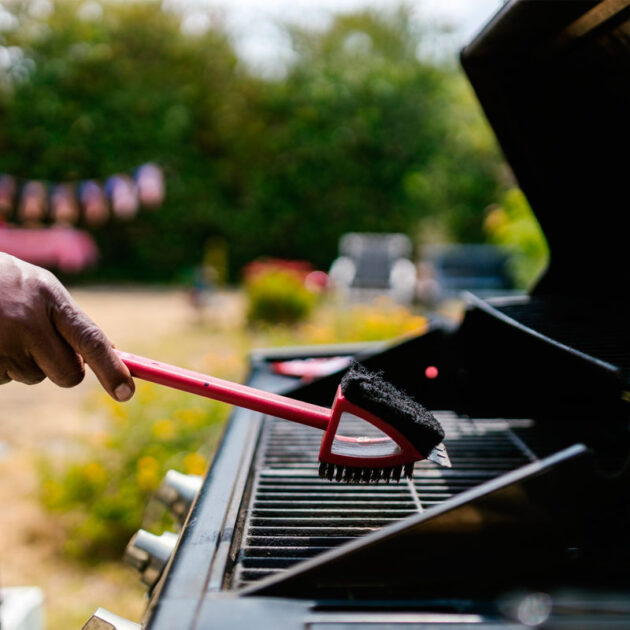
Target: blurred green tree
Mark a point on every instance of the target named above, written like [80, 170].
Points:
[100, 93]
[360, 135]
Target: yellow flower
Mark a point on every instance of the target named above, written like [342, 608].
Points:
[148, 475]
[319, 333]
[193, 417]
[416, 324]
[117, 411]
[53, 492]
[145, 393]
[147, 478]
[94, 472]
[148, 463]
[195, 464]
[495, 220]
[164, 429]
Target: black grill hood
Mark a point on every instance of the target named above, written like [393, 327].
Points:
[553, 77]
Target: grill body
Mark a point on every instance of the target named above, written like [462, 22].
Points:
[270, 543]
[529, 527]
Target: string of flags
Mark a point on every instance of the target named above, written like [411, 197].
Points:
[33, 203]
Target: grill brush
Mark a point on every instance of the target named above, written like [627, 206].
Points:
[396, 431]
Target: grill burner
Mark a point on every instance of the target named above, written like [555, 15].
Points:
[293, 515]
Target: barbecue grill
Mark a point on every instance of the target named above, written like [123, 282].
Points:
[529, 527]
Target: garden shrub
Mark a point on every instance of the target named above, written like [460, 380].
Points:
[278, 297]
[101, 498]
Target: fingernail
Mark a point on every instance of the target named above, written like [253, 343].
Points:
[123, 392]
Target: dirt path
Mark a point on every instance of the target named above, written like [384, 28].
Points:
[44, 419]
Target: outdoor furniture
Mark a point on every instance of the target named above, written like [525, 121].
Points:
[374, 264]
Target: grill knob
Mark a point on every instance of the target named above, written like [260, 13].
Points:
[177, 492]
[104, 620]
[149, 554]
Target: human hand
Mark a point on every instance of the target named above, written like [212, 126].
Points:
[43, 333]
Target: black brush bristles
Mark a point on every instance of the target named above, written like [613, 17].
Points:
[371, 392]
[359, 474]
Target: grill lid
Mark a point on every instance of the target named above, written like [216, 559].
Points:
[552, 78]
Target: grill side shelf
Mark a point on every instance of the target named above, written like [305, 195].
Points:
[292, 515]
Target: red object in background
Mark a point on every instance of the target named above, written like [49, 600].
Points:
[316, 281]
[309, 369]
[300, 267]
[431, 372]
[312, 279]
[63, 248]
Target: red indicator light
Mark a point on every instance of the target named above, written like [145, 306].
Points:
[431, 372]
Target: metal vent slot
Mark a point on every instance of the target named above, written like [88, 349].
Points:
[294, 515]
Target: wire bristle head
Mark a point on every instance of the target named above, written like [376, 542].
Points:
[364, 474]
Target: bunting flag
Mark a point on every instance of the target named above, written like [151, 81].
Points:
[94, 203]
[123, 195]
[7, 194]
[33, 203]
[150, 183]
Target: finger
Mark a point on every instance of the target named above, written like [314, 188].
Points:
[86, 338]
[25, 370]
[3, 377]
[61, 364]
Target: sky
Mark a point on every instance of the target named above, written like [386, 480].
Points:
[253, 24]
[264, 46]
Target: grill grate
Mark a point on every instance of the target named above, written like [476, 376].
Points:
[293, 515]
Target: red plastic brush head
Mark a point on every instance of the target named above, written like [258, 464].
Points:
[379, 433]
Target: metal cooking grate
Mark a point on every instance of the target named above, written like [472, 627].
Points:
[293, 515]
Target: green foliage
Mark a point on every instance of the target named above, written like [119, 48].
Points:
[278, 297]
[361, 134]
[513, 224]
[101, 498]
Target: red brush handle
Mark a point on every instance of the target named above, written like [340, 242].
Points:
[226, 391]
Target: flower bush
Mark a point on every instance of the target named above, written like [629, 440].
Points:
[278, 296]
[101, 497]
